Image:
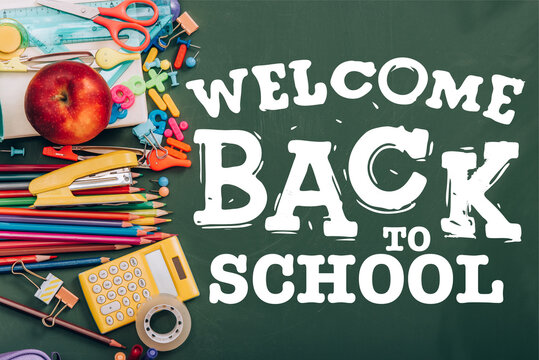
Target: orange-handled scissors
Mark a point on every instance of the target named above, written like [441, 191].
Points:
[118, 12]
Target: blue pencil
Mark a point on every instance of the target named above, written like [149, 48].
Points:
[61, 264]
[71, 229]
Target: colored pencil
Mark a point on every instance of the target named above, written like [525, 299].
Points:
[10, 168]
[102, 191]
[62, 264]
[101, 239]
[59, 322]
[127, 207]
[148, 212]
[149, 221]
[28, 244]
[147, 228]
[135, 175]
[60, 221]
[18, 201]
[72, 214]
[158, 236]
[27, 259]
[19, 176]
[71, 229]
[62, 249]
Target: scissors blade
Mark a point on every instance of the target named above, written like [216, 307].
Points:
[87, 12]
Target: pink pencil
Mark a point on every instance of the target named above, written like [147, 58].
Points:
[102, 239]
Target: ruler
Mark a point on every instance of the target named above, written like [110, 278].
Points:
[50, 29]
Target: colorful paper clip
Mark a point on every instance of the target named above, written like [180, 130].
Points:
[49, 289]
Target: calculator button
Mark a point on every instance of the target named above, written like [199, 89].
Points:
[110, 307]
[130, 312]
[128, 276]
[109, 320]
[124, 265]
[126, 301]
[103, 274]
[136, 297]
[96, 289]
[113, 270]
[141, 283]
[121, 291]
[111, 295]
[133, 261]
[146, 293]
[92, 278]
[132, 286]
[107, 284]
[101, 299]
[117, 280]
[138, 272]
[119, 316]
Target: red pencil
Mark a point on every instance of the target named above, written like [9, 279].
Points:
[72, 214]
[26, 258]
[4, 194]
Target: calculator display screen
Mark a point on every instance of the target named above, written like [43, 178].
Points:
[159, 270]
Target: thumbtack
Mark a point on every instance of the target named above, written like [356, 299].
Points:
[163, 191]
[172, 76]
[191, 61]
[184, 45]
[162, 181]
[14, 151]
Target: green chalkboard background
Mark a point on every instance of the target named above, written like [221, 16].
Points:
[478, 37]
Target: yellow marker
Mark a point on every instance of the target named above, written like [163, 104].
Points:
[157, 99]
[171, 106]
[10, 39]
[151, 57]
[107, 58]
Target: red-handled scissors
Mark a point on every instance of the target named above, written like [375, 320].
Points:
[118, 12]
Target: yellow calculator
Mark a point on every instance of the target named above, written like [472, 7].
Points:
[115, 290]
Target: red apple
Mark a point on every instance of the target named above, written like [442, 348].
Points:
[68, 103]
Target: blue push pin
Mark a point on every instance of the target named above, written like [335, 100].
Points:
[163, 181]
[191, 61]
[151, 354]
[14, 151]
[156, 63]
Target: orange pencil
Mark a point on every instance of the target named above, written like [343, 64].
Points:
[158, 236]
[149, 221]
[27, 259]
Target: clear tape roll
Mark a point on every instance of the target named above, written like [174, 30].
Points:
[172, 339]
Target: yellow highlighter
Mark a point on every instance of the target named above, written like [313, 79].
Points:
[114, 291]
